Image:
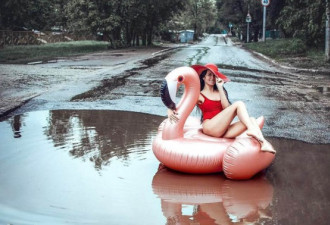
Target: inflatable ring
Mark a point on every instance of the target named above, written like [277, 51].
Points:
[182, 146]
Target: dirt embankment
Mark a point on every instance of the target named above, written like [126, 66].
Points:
[20, 83]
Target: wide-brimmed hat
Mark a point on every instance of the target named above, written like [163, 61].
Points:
[214, 69]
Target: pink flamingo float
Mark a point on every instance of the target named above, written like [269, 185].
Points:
[183, 147]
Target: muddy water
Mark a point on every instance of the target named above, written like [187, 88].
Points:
[97, 167]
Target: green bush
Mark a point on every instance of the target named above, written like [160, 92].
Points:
[279, 48]
[30, 53]
[291, 51]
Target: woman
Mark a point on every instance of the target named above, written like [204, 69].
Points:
[218, 113]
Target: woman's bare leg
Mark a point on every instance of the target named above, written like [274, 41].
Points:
[219, 125]
[265, 145]
[235, 129]
[238, 128]
[254, 122]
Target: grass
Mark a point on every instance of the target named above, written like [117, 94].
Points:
[292, 52]
[45, 52]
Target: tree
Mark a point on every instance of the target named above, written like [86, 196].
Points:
[327, 41]
[199, 15]
[235, 12]
[34, 14]
[12, 14]
[58, 15]
[273, 11]
[121, 22]
[303, 19]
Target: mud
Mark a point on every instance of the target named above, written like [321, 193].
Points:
[295, 103]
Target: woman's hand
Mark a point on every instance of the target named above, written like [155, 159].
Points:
[223, 96]
[219, 82]
[172, 116]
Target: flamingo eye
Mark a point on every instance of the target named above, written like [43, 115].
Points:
[180, 78]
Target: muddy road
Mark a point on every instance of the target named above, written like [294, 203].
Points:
[295, 104]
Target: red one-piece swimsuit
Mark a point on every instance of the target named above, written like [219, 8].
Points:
[210, 108]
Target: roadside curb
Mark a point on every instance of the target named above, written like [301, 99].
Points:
[274, 62]
[291, 68]
[10, 105]
[167, 49]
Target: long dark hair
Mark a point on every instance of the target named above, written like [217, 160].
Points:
[201, 76]
[201, 79]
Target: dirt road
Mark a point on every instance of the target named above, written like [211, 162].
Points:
[296, 104]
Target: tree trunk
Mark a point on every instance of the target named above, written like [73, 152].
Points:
[144, 38]
[133, 39]
[327, 32]
[137, 40]
[149, 38]
[150, 32]
[195, 32]
[128, 36]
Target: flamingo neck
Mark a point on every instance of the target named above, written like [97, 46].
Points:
[184, 108]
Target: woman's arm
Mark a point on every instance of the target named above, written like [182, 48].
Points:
[173, 115]
[223, 95]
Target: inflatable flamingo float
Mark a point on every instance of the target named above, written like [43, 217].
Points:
[183, 147]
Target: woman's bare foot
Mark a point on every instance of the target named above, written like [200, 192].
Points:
[267, 147]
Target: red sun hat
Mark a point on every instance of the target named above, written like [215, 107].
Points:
[214, 69]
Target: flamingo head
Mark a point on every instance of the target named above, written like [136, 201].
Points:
[173, 80]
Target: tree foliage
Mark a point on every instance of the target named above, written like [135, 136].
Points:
[129, 22]
[295, 18]
[199, 15]
[122, 22]
[304, 19]
[16, 14]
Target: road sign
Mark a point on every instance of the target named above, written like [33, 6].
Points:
[265, 2]
[248, 18]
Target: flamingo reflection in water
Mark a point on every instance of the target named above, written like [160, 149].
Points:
[215, 199]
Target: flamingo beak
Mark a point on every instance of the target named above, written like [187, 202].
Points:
[168, 93]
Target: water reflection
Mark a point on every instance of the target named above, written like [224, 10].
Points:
[99, 136]
[212, 199]
[44, 177]
[16, 124]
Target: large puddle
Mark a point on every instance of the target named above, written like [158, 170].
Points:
[97, 167]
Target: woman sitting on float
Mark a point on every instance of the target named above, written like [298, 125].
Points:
[218, 113]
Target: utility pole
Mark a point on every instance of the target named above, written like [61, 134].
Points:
[248, 20]
[264, 3]
[264, 25]
[327, 32]
[230, 26]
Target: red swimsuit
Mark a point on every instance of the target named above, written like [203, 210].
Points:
[210, 108]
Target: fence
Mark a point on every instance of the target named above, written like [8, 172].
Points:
[8, 37]
[17, 38]
[274, 34]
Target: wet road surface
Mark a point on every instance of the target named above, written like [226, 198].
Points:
[295, 105]
[74, 152]
[97, 167]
